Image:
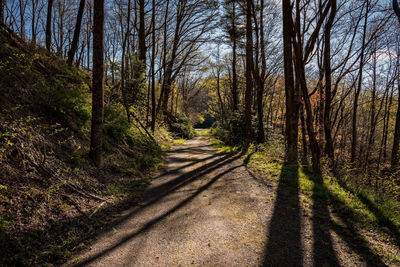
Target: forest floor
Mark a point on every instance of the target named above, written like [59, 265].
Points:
[206, 209]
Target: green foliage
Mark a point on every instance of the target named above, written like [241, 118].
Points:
[136, 85]
[116, 124]
[45, 111]
[183, 128]
[70, 102]
[233, 130]
[58, 253]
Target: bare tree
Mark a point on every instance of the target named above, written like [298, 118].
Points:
[328, 82]
[75, 40]
[48, 24]
[360, 78]
[2, 11]
[96, 140]
[396, 140]
[153, 58]
[142, 33]
[249, 70]
[292, 101]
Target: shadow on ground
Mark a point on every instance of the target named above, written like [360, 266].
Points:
[157, 193]
[284, 237]
[82, 229]
[284, 244]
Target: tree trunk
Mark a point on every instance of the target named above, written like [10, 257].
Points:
[48, 24]
[96, 140]
[141, 33]
[261, 80]
[219, 92]
[371, 137]
[33, 21]
[304, 159]
[292, 101]
[249, 71]
[164, 59]
[22, 7]
[75, 40]
[396, 138]
[169, 68]
[153, 78]
[235, 101]
[358, 90]
[123, 69]
[328, 85]
[2, 11]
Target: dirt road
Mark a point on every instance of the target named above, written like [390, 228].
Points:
[205, 209]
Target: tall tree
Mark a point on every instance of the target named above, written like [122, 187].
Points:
[328, 82]
[292, 101]
[153, 73]
[2, 11]
[123, 60]
[77, 31]
[96, 140]
[303, 49]
[396, 138]
[359, 86]
[142, 33]
[193, 20]
[249, 70]
[34, 6]
[234, 36]
[230, 22]
[48, 24]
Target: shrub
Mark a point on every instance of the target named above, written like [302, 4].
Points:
[115, 123]
[232, 131]
[183, 128]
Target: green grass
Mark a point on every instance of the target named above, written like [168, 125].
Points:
[224, 148]
[179, 141]
[369, 209]
[206, 132]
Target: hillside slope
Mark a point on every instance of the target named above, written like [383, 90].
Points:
[51, 197]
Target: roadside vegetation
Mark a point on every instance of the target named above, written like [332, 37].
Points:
[375, 215]
[52, 199]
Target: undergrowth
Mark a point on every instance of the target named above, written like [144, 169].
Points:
[52, 198]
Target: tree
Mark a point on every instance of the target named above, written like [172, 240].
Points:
[2, 11]
[233, 35]
[396, 141]
[123, 60]
[96, 140]
[48, 24]
[249, 70]
[142, 33]
[292, 101]
[303, 49]
[328, 83]
[153, 58]
[358, 89]
[77, 32]
[192, 21]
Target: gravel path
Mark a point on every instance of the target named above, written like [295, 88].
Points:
[205, 209]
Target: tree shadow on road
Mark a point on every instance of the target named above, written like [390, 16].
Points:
[284, 244]
[284, 237]
[323, 223]
[158, 193]
[323, 250]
